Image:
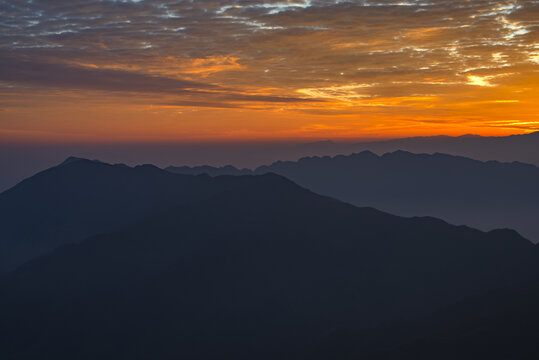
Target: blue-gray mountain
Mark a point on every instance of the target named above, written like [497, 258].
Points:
[485, 195]
[18, 161]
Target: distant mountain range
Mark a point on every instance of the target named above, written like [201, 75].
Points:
[522, 148]
[240, 267]
[486, 195]
[20, 161]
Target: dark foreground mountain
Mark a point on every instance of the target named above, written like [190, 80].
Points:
[80, 198]
[485, 195]
[264, 270]
[501, 324]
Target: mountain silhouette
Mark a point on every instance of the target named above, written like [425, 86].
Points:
[499, 324]
[263, 269]
[80, 198]
[209, 170]
[19, 161]
[485, 195]
[522, 148]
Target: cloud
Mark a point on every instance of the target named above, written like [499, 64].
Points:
[321, 57]
[62, 76]
[55, 75]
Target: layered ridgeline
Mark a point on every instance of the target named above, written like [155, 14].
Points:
[246, 267]
[18, 162]
[523, 148]
[79, 198]
[485, 195]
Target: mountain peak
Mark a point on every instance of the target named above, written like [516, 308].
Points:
[74, 159]
[398, 153]
[149, 167]
[365, 153]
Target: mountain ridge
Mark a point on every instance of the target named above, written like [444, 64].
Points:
[81, 197]
[260, 270]
[484, 194]
[18, 162]
[232, 170]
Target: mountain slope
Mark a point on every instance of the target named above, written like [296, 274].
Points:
[485, 195]
[499, 324]
[80, 198]
[259, 271]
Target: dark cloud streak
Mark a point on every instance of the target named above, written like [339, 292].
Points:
[72, 77]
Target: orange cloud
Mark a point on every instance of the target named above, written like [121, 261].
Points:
[211, 64]
[219, 70]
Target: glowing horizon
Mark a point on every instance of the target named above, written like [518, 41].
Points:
[231, 70]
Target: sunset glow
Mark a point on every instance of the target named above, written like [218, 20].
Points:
[232, 70]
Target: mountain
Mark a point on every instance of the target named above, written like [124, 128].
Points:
[262, 270]
[499, 324]
[18, 161]
[209, 170]
[485, 195]
[80, 198]
[522, 148]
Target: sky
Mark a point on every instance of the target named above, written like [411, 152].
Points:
[116, 71]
